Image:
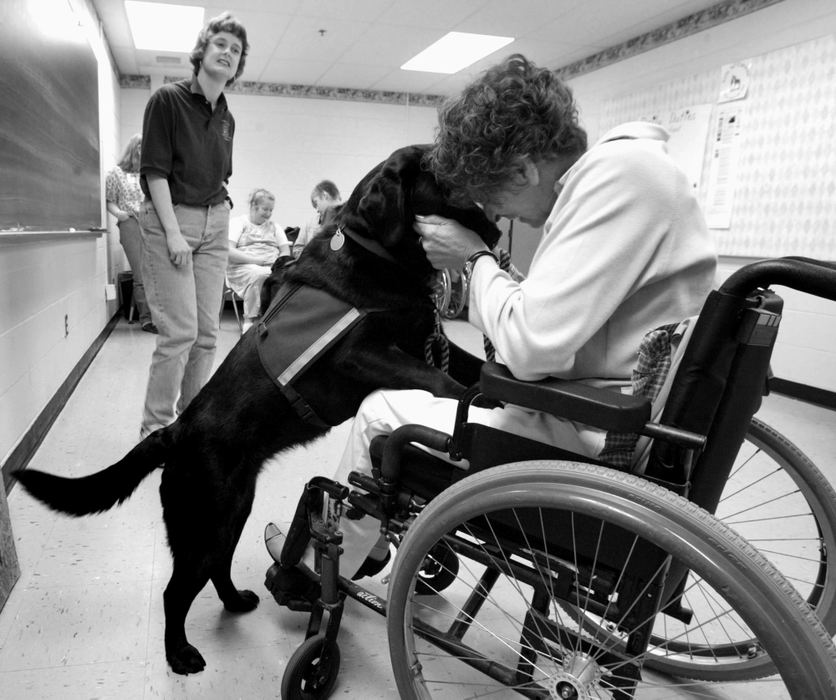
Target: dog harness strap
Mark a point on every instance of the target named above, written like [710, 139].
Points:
[318, 346]
[302, 325]
[302, 407]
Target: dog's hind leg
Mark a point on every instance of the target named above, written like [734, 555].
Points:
[187, 580]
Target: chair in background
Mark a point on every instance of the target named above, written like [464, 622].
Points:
[230, 295]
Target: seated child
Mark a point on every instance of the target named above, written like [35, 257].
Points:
[255, 243]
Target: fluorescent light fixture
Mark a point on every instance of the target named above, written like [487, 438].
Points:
[454, 51]
[160, 27]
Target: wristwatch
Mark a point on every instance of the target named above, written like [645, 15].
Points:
[467, 271]
[471, 261]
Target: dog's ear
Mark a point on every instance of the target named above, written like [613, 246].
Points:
[380, 206]
[428, 197]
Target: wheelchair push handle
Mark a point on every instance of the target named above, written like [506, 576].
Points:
[807, 275]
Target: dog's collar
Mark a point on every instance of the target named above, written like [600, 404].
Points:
[372, 246]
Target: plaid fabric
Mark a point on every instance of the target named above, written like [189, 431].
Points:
[652, 367]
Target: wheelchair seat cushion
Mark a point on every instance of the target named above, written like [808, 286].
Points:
[659, 355]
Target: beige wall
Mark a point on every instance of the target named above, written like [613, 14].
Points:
[806, 349]
[286, 145]
[44, 282]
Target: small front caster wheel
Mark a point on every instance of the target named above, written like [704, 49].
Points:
[312, 670]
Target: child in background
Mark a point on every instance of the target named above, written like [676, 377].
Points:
[255, 243]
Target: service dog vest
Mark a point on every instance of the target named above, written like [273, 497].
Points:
[299, 327]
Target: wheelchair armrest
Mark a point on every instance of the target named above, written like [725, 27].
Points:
[576, 401]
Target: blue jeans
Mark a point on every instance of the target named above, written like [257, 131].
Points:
[131, 239]
[185, 303]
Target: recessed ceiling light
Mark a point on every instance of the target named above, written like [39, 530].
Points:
[454, 51]
[160, 27]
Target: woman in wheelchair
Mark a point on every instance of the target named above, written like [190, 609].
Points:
[624, 249]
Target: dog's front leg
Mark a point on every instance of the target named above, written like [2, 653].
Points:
[392, 368]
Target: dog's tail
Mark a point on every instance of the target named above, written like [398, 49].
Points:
[103, 490]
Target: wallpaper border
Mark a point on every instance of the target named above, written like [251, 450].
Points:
[252, 87]
[692, 24]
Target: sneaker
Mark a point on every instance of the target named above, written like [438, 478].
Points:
[274, 540]
[149, 327]
[294, 587]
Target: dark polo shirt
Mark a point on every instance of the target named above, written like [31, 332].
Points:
[188, 143]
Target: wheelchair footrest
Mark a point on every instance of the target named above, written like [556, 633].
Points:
[292, 588]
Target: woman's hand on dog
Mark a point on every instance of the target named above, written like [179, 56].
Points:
[446, 242]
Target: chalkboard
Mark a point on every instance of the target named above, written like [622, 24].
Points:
[49, 119]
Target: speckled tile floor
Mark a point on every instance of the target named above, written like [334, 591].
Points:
[85, 620]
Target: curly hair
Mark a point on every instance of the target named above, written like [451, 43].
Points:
[514, 109]
[224, 22]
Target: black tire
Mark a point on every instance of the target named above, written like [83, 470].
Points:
[740, 591]
[779, 501]
[439, 570]
[311, 671]
[793, 522]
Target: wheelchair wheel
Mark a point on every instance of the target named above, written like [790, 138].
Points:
[312, 670]
[779, 501]
[536, 537]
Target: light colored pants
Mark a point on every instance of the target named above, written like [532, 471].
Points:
[246, 281]
[185, 302]
[384, 410]
[131, 239]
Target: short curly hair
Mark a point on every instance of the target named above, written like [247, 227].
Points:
[514, 109]
[224, 22]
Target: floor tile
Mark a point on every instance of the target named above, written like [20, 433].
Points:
[86, 618]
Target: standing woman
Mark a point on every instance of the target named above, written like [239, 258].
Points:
[124, 197]
[187, 136]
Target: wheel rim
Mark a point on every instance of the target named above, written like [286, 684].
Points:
[312, 670]
[555, 670]
[778, 500]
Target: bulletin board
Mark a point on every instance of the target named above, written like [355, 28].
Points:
[49, 122]
[782, 132]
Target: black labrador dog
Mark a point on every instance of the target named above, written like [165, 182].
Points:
[370, 260]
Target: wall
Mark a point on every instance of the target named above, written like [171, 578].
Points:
[780, 39]
[44, 281]
[288, 144]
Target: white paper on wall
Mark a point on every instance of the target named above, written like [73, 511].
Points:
[722, 173]
[734, 82]
[688, 130]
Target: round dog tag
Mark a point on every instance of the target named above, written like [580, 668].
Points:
[337, 240]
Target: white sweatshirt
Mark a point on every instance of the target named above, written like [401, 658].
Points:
[624, 250]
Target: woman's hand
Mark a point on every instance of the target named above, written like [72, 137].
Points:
[179, 251]
[446, 242]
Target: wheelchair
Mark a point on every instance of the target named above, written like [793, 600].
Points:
[540, 573]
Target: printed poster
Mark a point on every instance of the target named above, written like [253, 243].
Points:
[722, 173]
